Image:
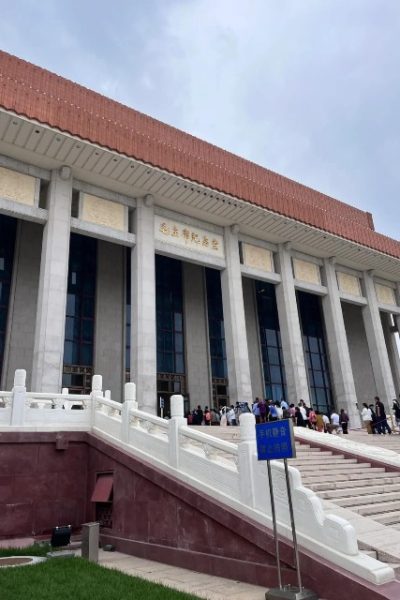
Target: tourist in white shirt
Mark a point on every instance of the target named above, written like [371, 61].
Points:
[366, 416]
[335, 422]
[327, 424]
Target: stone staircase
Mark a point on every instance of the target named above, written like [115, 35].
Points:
[365, 490]
[365, 495]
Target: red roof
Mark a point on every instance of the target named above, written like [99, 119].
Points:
[35, 93]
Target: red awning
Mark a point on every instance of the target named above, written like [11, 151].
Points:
[103, 488]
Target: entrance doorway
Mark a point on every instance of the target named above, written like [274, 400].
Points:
[167, 385]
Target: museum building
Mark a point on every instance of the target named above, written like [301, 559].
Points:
[133, 250]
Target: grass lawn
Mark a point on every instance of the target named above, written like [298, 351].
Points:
[75, 579]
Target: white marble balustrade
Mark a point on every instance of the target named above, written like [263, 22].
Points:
[230, 473]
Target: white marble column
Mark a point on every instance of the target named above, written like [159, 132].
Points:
[377, 344]
[234, 321]
[289, 323]
[392, 348]
[396, 336]
[48, 351]
[336, 338]
[143, 302]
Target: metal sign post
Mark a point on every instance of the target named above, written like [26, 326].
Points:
[275, 440]
[271, 495]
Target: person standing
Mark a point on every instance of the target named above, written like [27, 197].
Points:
[319, 423]
[396, 410]
[198, 416]
[366, 417]
[344, 420]
[231, 416]
[381, 422]
[299, 417]
[255, 409]
[224, 420]
[335, 423]
[263, 410]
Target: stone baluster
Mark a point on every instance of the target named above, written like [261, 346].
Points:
[246, 452]
[128, 405]
[97, 391]
[18, 398]
[176, 421]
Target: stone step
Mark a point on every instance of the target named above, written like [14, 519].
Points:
[388, 518]
[369, 499]
[378, 508]
[341, 468]
[313, 451]
[342, 479]
[357, 480]
[322, 460]
[366, 489]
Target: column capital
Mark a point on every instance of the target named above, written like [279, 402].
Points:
[331, 260]
[286, 246]
[235, 228]
[148, 200]
[65, 172]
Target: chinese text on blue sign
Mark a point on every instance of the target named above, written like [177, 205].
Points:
[275, 440]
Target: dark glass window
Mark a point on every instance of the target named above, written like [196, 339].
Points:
[8, 227]
[169, 309]
[270, 339]
[216, 329]
[312, 325]
[79, 323]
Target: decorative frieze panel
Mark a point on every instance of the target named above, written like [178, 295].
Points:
[257, 258]
[306, 271]
[191, 238]
[385, 294]
[103, 212]
[18, 187]
[349, 284]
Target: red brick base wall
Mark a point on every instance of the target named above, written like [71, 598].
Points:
[47, 479]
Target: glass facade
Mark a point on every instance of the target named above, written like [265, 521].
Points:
[8, 228]
[216, 331]
[216, 336]
[270, 340]
[79, 322]
[315, 354]
[169, 309]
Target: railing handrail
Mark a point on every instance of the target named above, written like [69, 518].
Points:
[144, 416]
[241, 485]
[199, 436]
[108, 402]
[56, 396]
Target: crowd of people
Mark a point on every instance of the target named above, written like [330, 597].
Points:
[268, 410]
[373, 416]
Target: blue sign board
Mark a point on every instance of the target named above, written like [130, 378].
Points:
[275, 440]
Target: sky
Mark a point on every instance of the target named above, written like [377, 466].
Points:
[307, 88]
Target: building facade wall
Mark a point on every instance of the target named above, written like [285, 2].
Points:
[22, 309]
[253, 338]
[110, 316]
[196, 338]
[393, 350]
[359, 354]
[36, 331]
